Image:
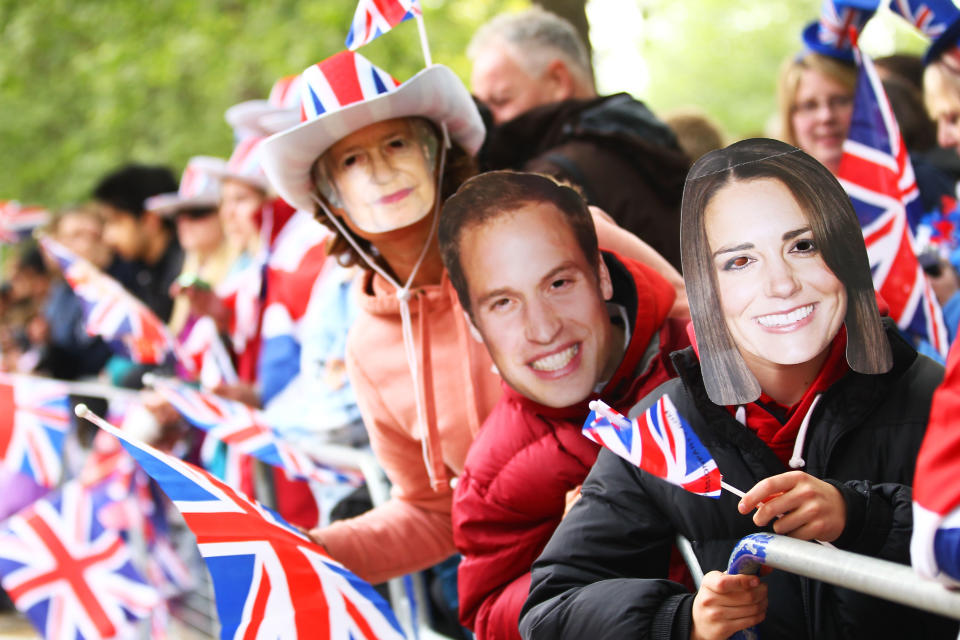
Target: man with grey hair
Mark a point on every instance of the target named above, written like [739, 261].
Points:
[533, 72]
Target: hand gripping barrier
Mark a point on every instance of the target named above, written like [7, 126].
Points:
[880, 578]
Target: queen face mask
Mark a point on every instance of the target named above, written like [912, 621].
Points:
[382, 176]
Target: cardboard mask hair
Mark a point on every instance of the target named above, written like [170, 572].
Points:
[836, 232]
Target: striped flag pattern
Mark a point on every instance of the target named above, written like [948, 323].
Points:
[876, 173]
[268, 577]
[661, 442]
[374, 18]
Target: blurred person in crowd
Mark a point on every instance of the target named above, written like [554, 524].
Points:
[816, 104]
[533, 72]
[800, 393]
[145, 240]
[71, 352]
[564, 324]
[207, 254]
[24, 327]
[935, 547]
[376, 170]
[697, 133]
[816, 94]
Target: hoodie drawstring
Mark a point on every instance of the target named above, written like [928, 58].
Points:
[428, 430]
[796, 462]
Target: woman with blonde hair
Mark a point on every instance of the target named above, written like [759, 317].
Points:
[815, 88]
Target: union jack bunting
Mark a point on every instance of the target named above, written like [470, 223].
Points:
[341, 79]
[876, 173]
[374, 18]
[931, 17]
[34, 420]
[112, 313]
[72, 576]
[17, 222]
[660, 442]
[267, 577]
[243, 429]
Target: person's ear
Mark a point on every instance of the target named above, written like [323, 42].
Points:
[603, 278]
[559, 80]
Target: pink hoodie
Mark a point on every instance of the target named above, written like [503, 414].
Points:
[413, 530]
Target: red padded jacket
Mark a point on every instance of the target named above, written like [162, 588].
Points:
[527, 457]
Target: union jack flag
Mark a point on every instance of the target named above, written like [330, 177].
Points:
[660, 442]
[17, 222]
[374, 18]
[340, 80]
[931, 17]
[244, 429]
[34, 420]
[267, 577]
[210, 357]
[114, 314]
[876, 173]
[835, 24]
[72, 576]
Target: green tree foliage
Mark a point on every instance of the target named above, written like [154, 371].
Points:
[86, 86]
[724, 56]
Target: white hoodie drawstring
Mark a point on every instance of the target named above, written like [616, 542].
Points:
[403, 294]
[796, 462]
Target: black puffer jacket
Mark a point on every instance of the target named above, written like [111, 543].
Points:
[603, 574]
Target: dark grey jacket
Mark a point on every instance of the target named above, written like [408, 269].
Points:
[603, 574]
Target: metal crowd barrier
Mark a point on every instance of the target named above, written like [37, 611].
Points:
[872, 576]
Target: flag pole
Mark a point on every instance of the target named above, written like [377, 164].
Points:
[424, 43]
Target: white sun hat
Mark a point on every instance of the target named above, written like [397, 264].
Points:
[345, 93]
[245, 164]
[281, 110]
[199, 188]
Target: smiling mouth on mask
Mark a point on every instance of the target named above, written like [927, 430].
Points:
[774, 320]
[556, 361]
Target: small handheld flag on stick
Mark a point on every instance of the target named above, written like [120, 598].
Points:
[374, 18]
[268, 577]
[661, 443]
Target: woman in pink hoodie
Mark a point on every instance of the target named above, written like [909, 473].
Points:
[376, 159]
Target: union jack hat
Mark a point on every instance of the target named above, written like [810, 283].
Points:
[938, 20]
[199, 188]
[281, 110]
[244, 164]
[830, 35]
[345, 93]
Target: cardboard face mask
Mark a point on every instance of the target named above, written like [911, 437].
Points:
[382, 176]
[769, 238]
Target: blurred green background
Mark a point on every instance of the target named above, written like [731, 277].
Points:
[86, 86]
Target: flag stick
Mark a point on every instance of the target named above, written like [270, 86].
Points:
[83, 411]
[732, 489]
[424, 44]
